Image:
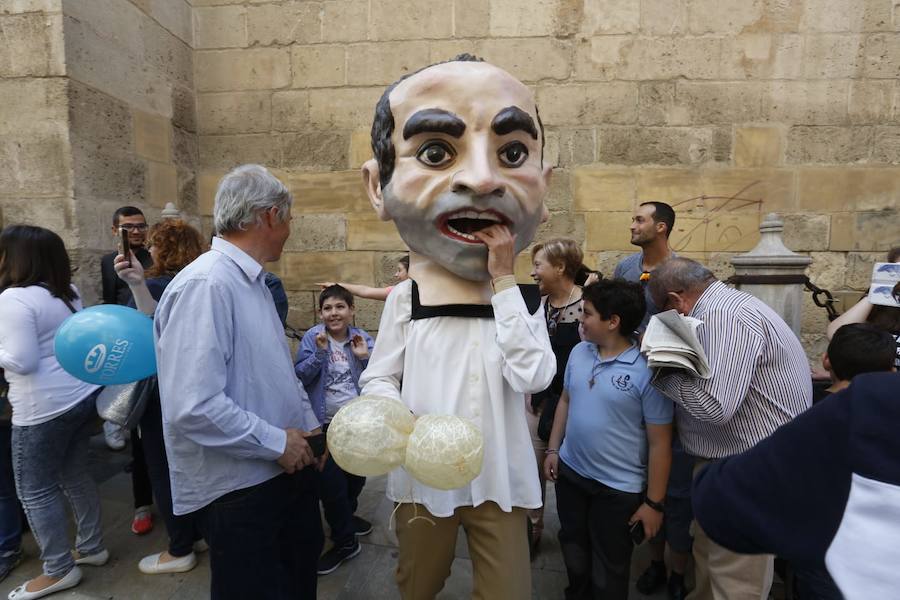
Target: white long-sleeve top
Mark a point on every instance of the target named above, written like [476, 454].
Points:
[39, 388]
[474, 368]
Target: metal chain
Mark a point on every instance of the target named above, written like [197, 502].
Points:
[827, 303]
[817, 292]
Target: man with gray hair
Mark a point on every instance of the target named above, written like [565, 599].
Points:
[759, 381]
[234, 416]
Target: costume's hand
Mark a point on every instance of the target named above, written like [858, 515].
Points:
[551, 466]
[359, 347]
[652, 520]
[297, 453]
[133, 274]
[325, 284]
[501, 249]
[322, 341]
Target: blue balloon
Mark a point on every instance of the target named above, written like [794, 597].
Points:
[106, 344]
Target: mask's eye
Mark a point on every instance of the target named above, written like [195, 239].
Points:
[435, 154]
[513, 154]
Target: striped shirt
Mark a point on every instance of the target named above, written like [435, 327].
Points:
[760, 378]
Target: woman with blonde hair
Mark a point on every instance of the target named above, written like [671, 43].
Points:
[556, 266]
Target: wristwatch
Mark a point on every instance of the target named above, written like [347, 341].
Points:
[657, 506]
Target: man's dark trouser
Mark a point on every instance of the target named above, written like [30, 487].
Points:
[596, 544]
[339, 492]
[265, 541]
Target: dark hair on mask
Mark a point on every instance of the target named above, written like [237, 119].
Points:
[618, 297]
[860, 348]
[337, 292]
[383, 123]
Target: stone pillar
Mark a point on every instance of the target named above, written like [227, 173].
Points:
[773, 273]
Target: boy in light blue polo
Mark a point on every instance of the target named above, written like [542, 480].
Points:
[611, 446]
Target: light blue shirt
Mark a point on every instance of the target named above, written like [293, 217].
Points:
[226, 378]
[606, 433]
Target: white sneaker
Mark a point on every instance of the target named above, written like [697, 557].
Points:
[151, 565]
[114, 435]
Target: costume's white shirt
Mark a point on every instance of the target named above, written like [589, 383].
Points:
[477, 369]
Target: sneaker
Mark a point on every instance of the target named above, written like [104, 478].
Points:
[9, 561]
[142, 522]
[361, 526]
[652, 579]
[114, 436]
[331, 560]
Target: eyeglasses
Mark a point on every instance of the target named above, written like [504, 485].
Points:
[134, 226]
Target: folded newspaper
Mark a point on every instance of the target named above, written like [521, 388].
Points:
[671, 341]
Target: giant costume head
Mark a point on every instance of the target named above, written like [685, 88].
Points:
[458, 147]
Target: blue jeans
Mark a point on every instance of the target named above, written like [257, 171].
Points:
[50, 459]
[10, 511]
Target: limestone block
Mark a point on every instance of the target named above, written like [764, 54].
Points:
[234, 112]
[284, 23]
[164, 54]
[762, 55]
[689, 235]
[845, 300]
[813, 318]
[867, 230]
[559, 194]
[38, 48]
[253, 69]
[562, 225]
[702, 102]
[887, 145]
[161, 184]
[815, 344]
[806, 232]
[661, 58]
[345, 108]
[606, 261]
[207, 184]
[302, 311]
[228, 151]
[317, 232]
[654, 145]
[722, 17]
[522, 267]
[322, 149]
[833, 55]
[872, 101]
[595, 189]
[187, 191]
[152, 136]
[532, 59]
[384, 63]
[318, 66]
[43, 100]
[368, 315]
[807, 145]
[367, 232]
[598, 58]
[360, 148]
[734, 232]
[656, 101]
[720, 263]
[174, 16]
[859, 269]
[441, 50]
[576, 147]
[550, 152]
[185, 149]
[337, 192]
[607, 231]
[663, 17]
[184, 110]
[302, 270]
[220, 27]
[14, 7]
[386, 266]
[509, 20]
[55, 214]
[216, 2]
[471, 18]
[828, 269]
[35, 166]
[345, 21]
[290, 110]
[833, 15]
[604, 17]
[575, 105]
[839, 189]
[410, 20]
[758, 146]
[109, 176]
[806, 102]
[843, 227]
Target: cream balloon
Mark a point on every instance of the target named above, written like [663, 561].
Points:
[368, 435]
[444, 451]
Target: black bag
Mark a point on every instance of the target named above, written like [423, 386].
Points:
[125, 404]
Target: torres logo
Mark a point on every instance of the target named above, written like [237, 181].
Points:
[108, 361]
[93, 362]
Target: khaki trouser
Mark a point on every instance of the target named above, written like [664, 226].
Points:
[721, 574]
[498, 547]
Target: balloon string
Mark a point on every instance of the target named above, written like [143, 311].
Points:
[416, 516]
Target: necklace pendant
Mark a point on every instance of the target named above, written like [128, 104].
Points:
[591, 383]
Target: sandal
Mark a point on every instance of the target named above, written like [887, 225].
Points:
[71, 579]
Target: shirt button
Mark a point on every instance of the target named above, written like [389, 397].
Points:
[473, 378]
[475, 344]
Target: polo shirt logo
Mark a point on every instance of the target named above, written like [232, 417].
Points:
[621, 382]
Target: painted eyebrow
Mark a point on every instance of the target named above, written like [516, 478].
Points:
[433, 120]
[513, 118]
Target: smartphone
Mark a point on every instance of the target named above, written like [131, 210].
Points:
[126, 246]
[317, 443]
[637, 533]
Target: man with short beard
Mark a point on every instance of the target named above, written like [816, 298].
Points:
[458, 168]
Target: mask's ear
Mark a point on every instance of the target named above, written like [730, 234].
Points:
[372, 181]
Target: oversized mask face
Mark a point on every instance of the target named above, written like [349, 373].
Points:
[468, 155]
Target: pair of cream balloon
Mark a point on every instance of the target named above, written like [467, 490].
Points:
[372, 435]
